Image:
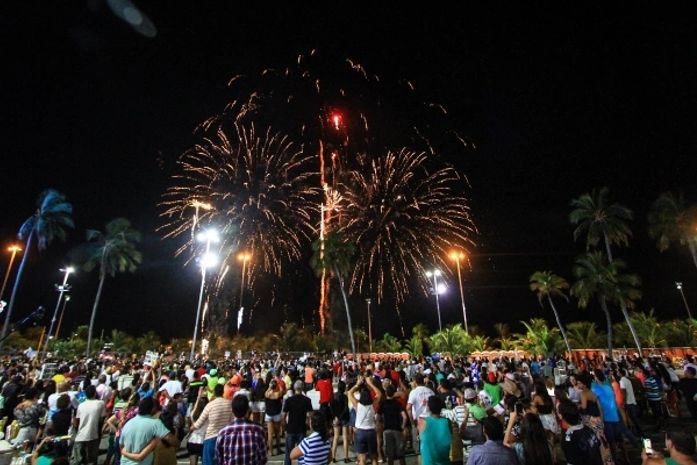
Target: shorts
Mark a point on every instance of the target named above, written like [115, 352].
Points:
[273, 418]
[340, 423]
[258, 407]
[352, 418]
[394, 447]
[366, 441]
[194, 449]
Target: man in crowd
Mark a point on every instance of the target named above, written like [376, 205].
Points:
[241, 442]
[217, 413]
[580, 444]
[87, 421]
[492, 452]
[681, 447]
[138, 434]
[296, 409]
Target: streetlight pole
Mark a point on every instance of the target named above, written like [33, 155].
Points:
[244, 258]
[678, 285]
[206, 261]
[457, 256]
[60, 320]
[61, 290]
[370, 326]
[14, 249]
[434, 274]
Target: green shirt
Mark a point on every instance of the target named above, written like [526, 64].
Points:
[435, 442]
[477, 411]
[137, 433]
[494, 391]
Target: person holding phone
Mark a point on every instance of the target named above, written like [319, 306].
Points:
[680, 445]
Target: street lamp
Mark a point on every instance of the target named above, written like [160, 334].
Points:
[207, 260]
[13, 249]
[438, 288]
[368, 301]
[244, 257]
[61, 290]
[678, 285]
[60, 320]
[457, 256]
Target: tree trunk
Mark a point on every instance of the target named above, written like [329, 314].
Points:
[693, 249]
[561, 327]
[15, 287]
[348, 313]
[607, 248]
[102, 277]
[623, 307]
[608, 320]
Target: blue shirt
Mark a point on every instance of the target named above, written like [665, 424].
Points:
[492, 453]
[606, 397]
[137, 433]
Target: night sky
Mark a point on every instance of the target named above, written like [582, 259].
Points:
[557, 102]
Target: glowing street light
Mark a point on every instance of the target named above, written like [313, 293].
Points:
[63, 288]
[457, 256]
[438, 288]
[13, 249]
[678, 286]
[207, 260]
[244, 257]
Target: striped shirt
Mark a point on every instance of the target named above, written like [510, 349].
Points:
[241, 443]
[217, 413]
[315, 450]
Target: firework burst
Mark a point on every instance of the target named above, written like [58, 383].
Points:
[259, 194]
[402, 217]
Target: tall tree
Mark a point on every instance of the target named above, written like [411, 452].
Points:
[539, 339]
[599, 220]
[50, 221]
[598, 279]
[547, 284]
[112, 251]
[585, 335]
[334, 254]
[672, 220]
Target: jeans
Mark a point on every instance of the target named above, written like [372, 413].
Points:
[209, 452]
[292, 440]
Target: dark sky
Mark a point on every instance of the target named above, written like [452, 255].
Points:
[557, 102]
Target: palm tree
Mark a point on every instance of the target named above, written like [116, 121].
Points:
[595, 278]
[539, 339]
[111, 251]
[592, 282]
[335, 254]
[122, 342]
[453, 339]
[585, 335]
[50, 221]
[600, 221]
[649, 329]
[361, 337]
[388, 343]
[671, 220]
[546, 284]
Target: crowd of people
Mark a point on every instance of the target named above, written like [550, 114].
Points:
[443, 410]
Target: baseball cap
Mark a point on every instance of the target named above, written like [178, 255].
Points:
[470, 393]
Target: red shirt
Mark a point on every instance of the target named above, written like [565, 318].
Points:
[324, 386]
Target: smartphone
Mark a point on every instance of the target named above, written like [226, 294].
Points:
[647, 446]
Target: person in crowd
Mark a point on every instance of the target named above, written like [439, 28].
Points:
[273, 400]
[434, 434]
[87, 422]
[417, 407]
[581, 446]
[531, 445]
[339, 410]
[194, 445]
[216, 414]
[630, 402]
[314, 449]
[680, 446]
[241, 442]
[688, 387]
[492, 451]
[394, 418]
[141, 435]
[365, 439]
[29, 414]
[296, 410]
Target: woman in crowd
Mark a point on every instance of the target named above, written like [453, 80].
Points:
[365, 436]
[338, 407]
[315, 449]
[532, 446]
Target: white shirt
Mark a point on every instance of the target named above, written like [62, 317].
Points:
[172, 387]
[418, 399]
[90, 412]
[365, 416]
[625, 384]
